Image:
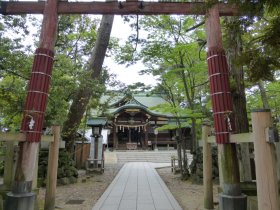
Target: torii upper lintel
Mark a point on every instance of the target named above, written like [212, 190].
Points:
[117, 8]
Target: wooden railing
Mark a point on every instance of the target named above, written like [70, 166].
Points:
[265, 160]
[54, 143]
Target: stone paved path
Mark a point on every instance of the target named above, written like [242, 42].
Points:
[137, 187]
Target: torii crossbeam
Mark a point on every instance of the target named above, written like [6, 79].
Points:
[116, 8]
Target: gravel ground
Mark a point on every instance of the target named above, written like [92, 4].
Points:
[84, 194]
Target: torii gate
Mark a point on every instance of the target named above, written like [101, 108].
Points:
[44, 56]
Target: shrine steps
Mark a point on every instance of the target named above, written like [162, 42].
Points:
[146, 156]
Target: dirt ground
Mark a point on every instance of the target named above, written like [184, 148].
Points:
[84, 194]
[188, 195]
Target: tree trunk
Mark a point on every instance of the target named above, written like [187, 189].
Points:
[263, 95]
[194, 141]
[191, 105]
[185, 171]
[179, 150]
[238, 94]
[84, 93]
[190, 100]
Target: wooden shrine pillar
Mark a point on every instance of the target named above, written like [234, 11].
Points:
[52, 170]
[129, 135]
[146, 130]
[207, 167]
[277, 151]
[9, 165]
[115, 137]
[265, 159]
[21, 197]
[231, 197]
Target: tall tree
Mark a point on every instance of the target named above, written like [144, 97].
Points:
[233, 51]
[76, 36]
[171, 52]
[183, 116]
[85, 92]
[171, 45]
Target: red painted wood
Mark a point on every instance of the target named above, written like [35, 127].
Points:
[220, 95]
[37, 95]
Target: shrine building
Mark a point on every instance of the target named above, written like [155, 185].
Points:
[132, 124]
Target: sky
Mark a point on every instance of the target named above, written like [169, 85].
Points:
[127, 75]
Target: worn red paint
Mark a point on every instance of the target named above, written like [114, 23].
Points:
[220, 95]
[37, 95]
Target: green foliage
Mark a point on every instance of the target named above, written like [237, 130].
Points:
[171, 52]
[137, 87]
[271, 32]
[254, 100]
[2, 154]
[259, 44]
[183, 116]
[260, 65]
[76, 37]
[66, 168]
[14, 69]
[12, 94]
[127, 54]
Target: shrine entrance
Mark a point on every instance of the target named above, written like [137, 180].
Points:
[217, 66]
[130, 125]
[130, 138]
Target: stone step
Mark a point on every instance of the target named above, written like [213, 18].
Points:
[144, 156]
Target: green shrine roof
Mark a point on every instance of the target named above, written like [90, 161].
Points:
[141, 99]
[130, 103]
[150, 101]
[137, 101]
[137, 106]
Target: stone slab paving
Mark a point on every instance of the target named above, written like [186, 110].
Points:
[137, 187]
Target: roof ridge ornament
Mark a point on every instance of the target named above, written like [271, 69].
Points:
[133, 101]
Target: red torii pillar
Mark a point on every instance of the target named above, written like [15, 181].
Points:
[21, 197]
[231, 197]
